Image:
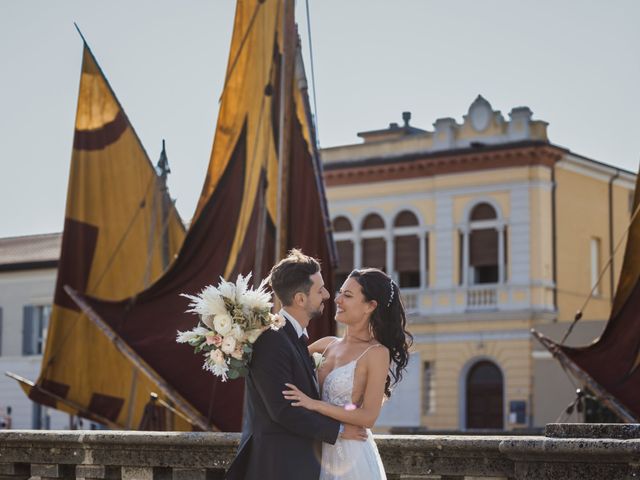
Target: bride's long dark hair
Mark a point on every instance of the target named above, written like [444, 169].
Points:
[388, 321]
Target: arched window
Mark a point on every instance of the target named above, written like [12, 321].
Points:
[345, 251]
[483, 249]
[341, 224]
[483, 211]
[405, 219]
[374, 245]
[373, 221]
[484, 396]
[407, 250]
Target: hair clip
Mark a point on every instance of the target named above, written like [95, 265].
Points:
[392, 293]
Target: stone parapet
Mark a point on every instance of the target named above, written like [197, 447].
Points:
[567, 452]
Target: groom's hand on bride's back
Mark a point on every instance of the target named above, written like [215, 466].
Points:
[353, 432]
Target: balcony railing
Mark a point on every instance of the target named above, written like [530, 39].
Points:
[567, 452]
[436, 300]
[411, 299]
[482, 298]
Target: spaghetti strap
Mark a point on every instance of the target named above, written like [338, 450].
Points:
[369, 348]
[330, 343]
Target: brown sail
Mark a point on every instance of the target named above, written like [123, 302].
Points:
[120, 229]
[234, 229]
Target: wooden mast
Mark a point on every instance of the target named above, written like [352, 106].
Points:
[287, 70]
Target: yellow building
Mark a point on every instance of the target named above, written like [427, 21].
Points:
[490, 230]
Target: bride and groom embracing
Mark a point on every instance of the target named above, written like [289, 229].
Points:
[313, 423]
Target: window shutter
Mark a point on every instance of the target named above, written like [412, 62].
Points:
[506, 255]
[28, 320]
[36, 416]
[345, 256]
[460, 258]
[0, 331]
[374, 253]
[407, 253]
[483, 246]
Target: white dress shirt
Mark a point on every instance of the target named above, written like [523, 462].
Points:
[298, 328]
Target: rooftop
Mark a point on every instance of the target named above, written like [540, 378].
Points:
[30, 251]
[481, 126]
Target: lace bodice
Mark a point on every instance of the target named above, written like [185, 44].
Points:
[337, 388]
[338, 385]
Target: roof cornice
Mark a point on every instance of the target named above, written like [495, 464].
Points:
[425, 164]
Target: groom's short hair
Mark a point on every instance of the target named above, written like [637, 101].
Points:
[292, 274]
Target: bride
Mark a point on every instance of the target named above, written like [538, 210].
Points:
[358, 370]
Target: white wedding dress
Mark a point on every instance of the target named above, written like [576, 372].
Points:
[348, 459]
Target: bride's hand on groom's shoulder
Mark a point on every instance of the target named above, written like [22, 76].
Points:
[298, 398]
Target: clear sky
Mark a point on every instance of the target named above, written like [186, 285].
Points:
[575, 63]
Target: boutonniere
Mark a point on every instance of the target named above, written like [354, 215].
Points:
[318, 360]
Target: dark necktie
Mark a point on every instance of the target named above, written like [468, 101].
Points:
[303, 339]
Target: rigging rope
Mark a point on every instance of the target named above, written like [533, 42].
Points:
[313, 77]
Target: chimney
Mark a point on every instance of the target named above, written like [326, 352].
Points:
[406, 116]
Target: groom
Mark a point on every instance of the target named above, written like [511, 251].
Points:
[282, 442]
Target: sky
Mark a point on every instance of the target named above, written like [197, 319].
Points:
[575, 63]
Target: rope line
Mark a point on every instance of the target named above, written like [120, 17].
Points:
[313, 77]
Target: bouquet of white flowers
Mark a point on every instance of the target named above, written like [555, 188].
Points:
[232, 317]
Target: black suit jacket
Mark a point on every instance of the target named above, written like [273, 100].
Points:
[280, 442]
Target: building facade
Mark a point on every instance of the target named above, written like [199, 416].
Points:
[28, 267]
[490, 230]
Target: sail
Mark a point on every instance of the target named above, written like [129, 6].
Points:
[610, 366]
[234, 228]
[115, 243]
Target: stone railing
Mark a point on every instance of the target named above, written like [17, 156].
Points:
[411, 299]
[482, 298]
[566, 452]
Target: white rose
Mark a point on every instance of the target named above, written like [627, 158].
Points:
[277, 321]
[222, 324]
[228, 345]
[318, 360]
[217, 357]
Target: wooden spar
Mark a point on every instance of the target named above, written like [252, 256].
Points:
[262, 228]
[287, 70]
[195, 416]
[604, 396]
[68, 403]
